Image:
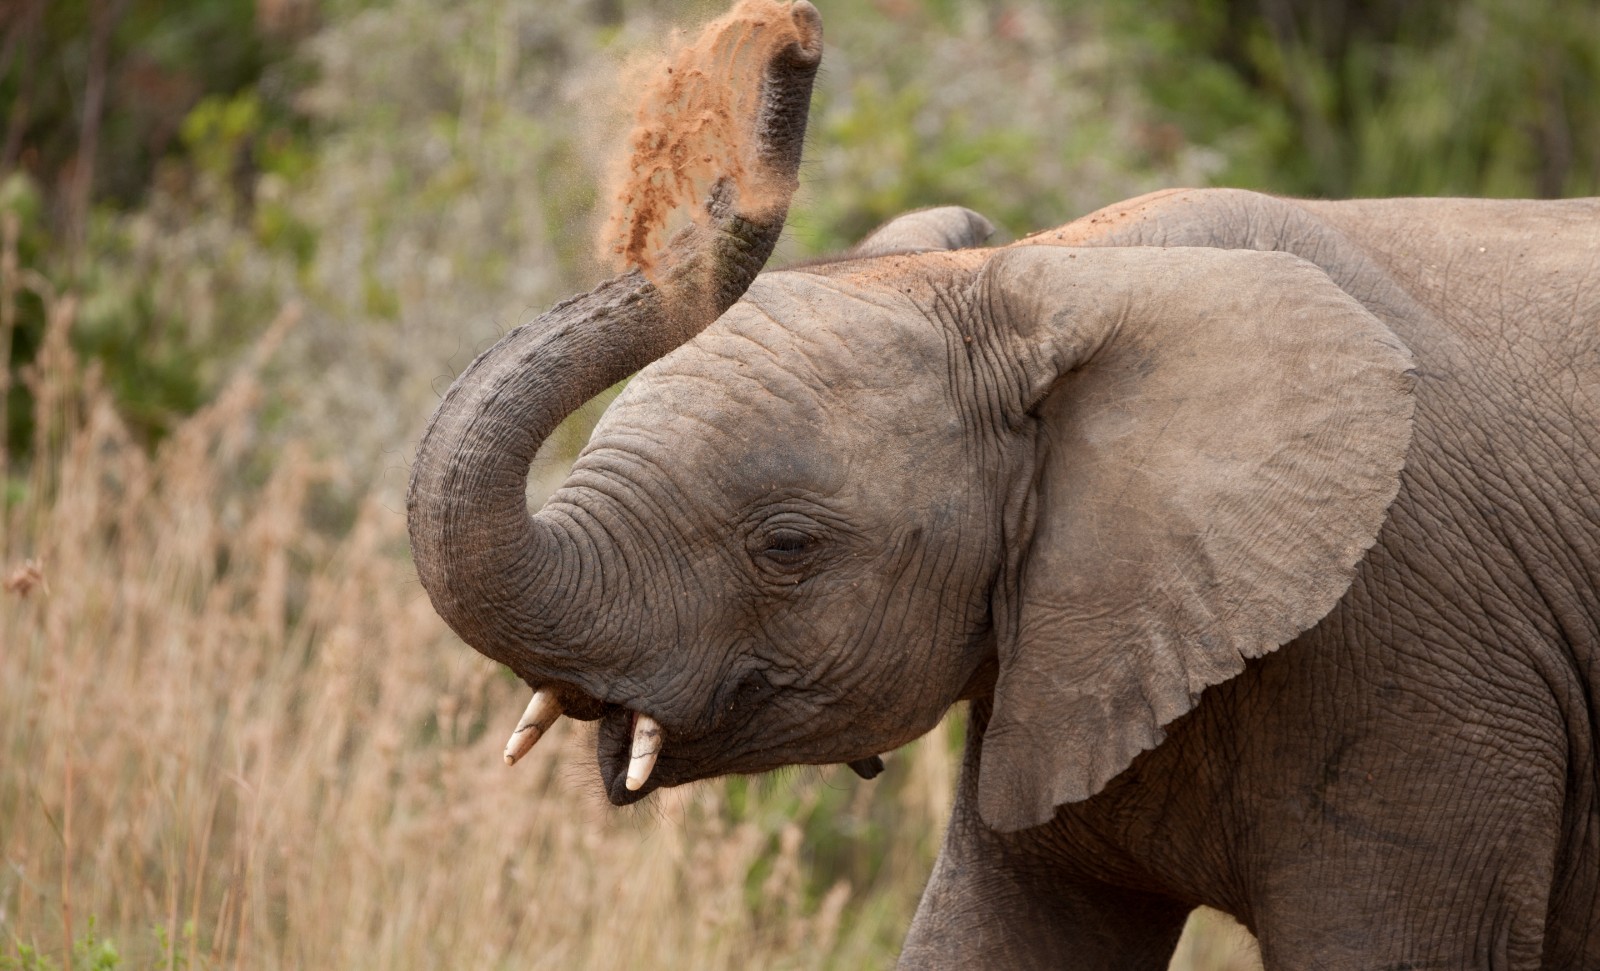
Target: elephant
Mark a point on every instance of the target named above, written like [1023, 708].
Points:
[1260, 536]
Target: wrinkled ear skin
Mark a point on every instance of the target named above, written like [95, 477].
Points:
[927, 231]
[1217, 435]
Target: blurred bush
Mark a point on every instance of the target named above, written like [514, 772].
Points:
[1357, 98]
[108, 105]
[423, 175]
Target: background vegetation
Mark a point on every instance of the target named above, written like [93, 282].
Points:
[243, 246]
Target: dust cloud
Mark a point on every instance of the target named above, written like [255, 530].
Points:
[695, 123]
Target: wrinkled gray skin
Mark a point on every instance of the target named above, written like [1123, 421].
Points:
[1334, 465]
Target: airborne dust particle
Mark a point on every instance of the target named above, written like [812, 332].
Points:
[694, 125]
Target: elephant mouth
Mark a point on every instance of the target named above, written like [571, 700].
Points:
[629, 744]
[628, 747]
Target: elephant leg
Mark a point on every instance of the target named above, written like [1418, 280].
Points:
[991, 903]
[984, 913]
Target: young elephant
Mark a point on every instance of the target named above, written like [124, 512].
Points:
[1078, 481]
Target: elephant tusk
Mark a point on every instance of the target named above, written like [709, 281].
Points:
[542, 712]
[646, 746]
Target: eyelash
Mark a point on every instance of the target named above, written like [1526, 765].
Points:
[787, 543]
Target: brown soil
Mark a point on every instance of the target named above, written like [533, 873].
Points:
[694, 124]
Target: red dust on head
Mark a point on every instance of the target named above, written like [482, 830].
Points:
[694, 125]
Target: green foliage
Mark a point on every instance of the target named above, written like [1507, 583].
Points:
[89, 953]
[879, 126]
[22, 206]
[159, 58]
[198, 114]
[174, 954]
[1005, 108]
[218, 130]
[246, 161]
[1337, 98]
[212, 170]
[153, 372]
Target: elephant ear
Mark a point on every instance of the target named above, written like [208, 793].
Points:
[927, 230]
[1217, 436]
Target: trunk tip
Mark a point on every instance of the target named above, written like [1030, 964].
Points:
[808, 28]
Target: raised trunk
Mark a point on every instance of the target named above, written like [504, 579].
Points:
[484, 560]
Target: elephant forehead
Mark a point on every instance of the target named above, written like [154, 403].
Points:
[804, 375]
[854, 333]
[799, 348]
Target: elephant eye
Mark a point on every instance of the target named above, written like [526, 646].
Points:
[787, 545]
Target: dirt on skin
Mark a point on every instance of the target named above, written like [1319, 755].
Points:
[694, 124]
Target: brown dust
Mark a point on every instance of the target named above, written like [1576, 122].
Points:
[694, 124]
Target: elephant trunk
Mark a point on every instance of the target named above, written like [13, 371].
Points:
[488, 565]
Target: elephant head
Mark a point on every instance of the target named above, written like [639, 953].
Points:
[1087, 483]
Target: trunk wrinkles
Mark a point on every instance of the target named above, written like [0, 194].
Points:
[487, 564]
